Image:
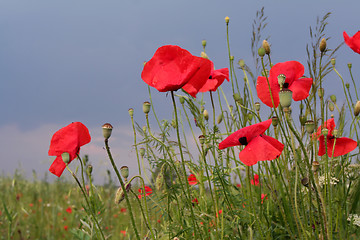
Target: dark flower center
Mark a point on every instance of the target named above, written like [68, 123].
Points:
[243, 141]
[210, 77]
[286, 85]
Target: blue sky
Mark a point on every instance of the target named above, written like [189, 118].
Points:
[65, 61]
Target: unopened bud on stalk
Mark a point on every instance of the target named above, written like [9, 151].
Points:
[333, 62]
[65, 157]
[310, 126]
[302, 119]
[232, 58]
[236, 97]
[321, 92]
[325, 132]
[347, 85]
[89, 169]
[275, 121]
[333, 98]
[124, 170]
[261, 52]
[285, 97]
[323, 45]
[107, 129]
[349, 65]
[206, 115]
[173, 123]
[142, 152]
[182, 100]
[120, 194]
[266, 47]
[144, 128]
[227, 19]
[204, 55]
[357, 109]
[201, 139]
[250, 117]
[131, 112]
[203, 43]
[241, 63]
[146, 107]
[315, 166]
[331, 107]
[257, 106]
[219, 118]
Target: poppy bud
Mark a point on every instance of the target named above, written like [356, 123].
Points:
[203, 43]
[219, 118]
[236, 97]
[349, 65]
[310, 126]
[333, 61]
[204, 55]
[323, 45]
[227, 19]
[142, 152]
[261, 52]
[305, 181]
[257, 106]
[65, 157]
[159, 182]
[231, 108]
[266, 47]
[201, 139]
[146, 107]
[241, 63]
[131, 112]
[120, 194]
[321, 92]
[315, 166]
[231, 58]
[285, 96]
[302, 119]
[357, 108]
[325, 132]
[347, 85]
[89, 169]
[281, 80]
[173, 123]
[124, 170]
[144, 128]
[182, 100]
[331, 107]
[275, 121]
[333, 98]
[107, 129]
[206, 114]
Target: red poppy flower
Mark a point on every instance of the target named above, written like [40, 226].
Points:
[255, 181]
[69, 210]
[258, 147]
[195, 201]
[148, 191]
[343, 145]
[123, 210]
[263, 197]
[172, 67]
[68, 139]
[123, 232]
[216, 78]
[66, 227]
[353, 42]
[293, 72]
[192, 179]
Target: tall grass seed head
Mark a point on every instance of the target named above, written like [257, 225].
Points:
[65, 157]
[107, 130]
[322, 45]
[357, 109]
[261, 52]
[285, 97]
[124, 170]
[146, 107]
[144, 128]
[333, 98]
[131, 112]
[266, 47]
[173, 123]
[231, 108]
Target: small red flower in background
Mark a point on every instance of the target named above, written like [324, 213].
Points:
[192, 179]
[263, 196]
[343, 145]
[172, 68]
[220, 212]
[123, 210]
[255, 181]
[293, 72]
[258, 147]
[31, 204]
[215, 79]
[68, 139]
[69, 210]
[148, 191]
[123, 232]
[238, 185]
[66, 227]
[195, 201]
[353, 42]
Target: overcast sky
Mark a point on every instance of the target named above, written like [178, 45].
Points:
[65, 61]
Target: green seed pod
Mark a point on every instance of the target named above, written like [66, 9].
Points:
[275, 121]
[236, 97]
[65, 157]
[305, 181]
[231, 108]
[357, 109]
[349, 65]
[107, 129]
[124, 170]
[241, 63]
[335, 133]
[146, 107]
[322, 45]
[261, 52]
[250, 117]
[347, 85]
[203, 43]
[281, 80]
[201, 139]
[182, 100]
[142, 152]
[219, 118]
[333, 98]
[310, 126]
[325, 132]
[333, 62]
[89, 169]
[144, 128]
[285, 96]
[331, 107]
[266, 47]
[131, 112]
[257, 106]
[231, 58]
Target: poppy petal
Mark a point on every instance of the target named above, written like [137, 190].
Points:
[261, 148]
[300, 88]
[292, 70]
[57, 167]
[343, 146]
[249, 132]
[262, 88]
[353, 42]
[217, 78]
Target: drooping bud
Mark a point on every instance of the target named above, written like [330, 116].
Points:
[219, 118]
[321, 92]
[241, 63]
[107, 129]
[142, 152]
[120, 194]
[206, 115]
[310, 126]
[131, 112]
[357, 109]
[227, 19]
[203, 43]
[124, 170]
[65, 157]
[281, 80]
[257, 106]
[275, 121]
[261, 52]
[266, 47]
[333, 62]
[331, 107]
[323, 45]
[201, 139]
[89, 169]
[333, 98]
[285, 97]
[182, 100]
[146, 107]
[315, 166]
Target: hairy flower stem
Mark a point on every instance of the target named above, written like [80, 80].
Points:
[352, 78]
[230, 61]
[123, 187]
[135, 144]
[87, 201]
[188, 198]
